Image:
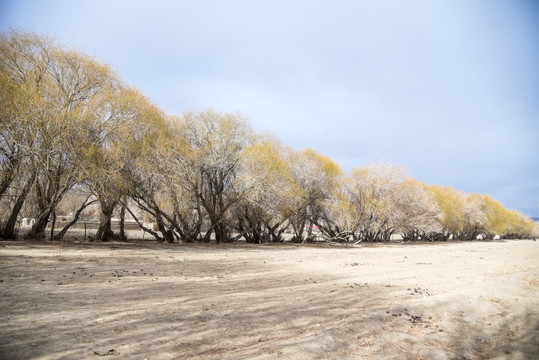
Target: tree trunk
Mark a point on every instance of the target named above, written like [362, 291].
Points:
[61, 234]
[9, 175]
[53, 224]
[219, 233]
[298, 225]
[104, 232]
[207, 236]
[123, 236]
[9, 230]
[309, 237]
[6, 181]
[217, 227]
[168, 235]
[144, 228]
[38, 230]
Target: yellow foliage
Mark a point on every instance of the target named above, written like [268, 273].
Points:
[498, 218]
[452, 207]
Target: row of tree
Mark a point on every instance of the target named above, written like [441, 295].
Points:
[69, 125]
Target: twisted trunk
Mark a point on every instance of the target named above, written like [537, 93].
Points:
[104, 232]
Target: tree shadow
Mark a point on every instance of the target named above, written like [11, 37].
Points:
[178, 309]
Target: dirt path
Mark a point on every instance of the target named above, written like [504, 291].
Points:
[152, 301]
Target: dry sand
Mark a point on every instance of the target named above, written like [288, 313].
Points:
[155, 301]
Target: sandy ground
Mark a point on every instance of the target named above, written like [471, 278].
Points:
[155, 301]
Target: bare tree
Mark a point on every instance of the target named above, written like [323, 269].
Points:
[317, 178]
[47, 90]
[269, 187]
[372, 190]
[217, 142]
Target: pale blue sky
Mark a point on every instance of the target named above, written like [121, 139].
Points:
[448, 88]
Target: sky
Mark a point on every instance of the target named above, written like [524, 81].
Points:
[447, 88]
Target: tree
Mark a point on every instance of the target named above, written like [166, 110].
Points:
[417, 213]
[474, 221]
[520, 226]
[216, 142]
[65, 132]
[497, 217]
[46, 90]
[318, 177]
[158, 186]
[451, 204]
[266, 180]
[127, 124]
[373, 191]
[339, 218]
[24, 62]
[505, 223]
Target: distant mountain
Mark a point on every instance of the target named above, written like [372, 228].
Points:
[535, 218]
